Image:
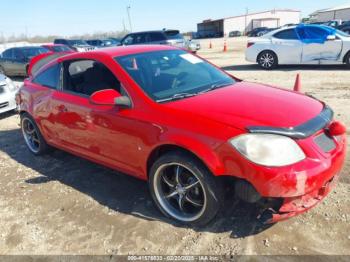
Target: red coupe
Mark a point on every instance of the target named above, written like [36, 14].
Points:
[175, 120]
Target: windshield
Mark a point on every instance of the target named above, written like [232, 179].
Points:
[61, 48]
[173, 74]
[77, 42]
[31, 52]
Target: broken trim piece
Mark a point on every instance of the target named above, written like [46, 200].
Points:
[299, 132]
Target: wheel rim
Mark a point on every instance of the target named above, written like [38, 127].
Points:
[267, 60]
[179, 192]
[30, 135]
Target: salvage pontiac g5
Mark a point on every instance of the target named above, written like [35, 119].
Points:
[173, 119]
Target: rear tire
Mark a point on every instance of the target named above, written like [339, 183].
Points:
[267, 60]
[184, 189]
[32, 136]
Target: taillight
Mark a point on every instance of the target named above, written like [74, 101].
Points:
[250, 44]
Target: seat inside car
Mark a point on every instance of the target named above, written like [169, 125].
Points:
[94, 79]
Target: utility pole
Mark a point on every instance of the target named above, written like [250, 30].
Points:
[128, 11]
[246, 20]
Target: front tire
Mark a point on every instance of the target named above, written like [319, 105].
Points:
[32, 136]
[267, 60]
[184, 189]
[347, 60]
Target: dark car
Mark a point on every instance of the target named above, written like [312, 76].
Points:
[76, 44]
[235, 34]
[101, 43]
[15, 61]
[345, 27]
[255, 32]
[166, 37]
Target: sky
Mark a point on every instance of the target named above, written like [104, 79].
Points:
[71, 17]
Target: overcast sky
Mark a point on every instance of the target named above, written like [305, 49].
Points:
[69, 17]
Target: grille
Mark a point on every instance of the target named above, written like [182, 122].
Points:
[325, 142]
[3, 105]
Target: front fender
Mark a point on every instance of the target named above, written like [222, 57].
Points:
[204, 151]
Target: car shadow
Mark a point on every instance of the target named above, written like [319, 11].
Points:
[285, 68]
[120, 192]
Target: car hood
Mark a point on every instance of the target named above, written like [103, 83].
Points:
[248, 104]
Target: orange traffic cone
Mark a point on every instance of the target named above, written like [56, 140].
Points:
[297, 85]
[210, 45]
[225, 46]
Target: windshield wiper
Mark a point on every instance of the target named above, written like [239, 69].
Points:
[215, 86]
[177, 97]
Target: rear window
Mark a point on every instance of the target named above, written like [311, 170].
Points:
[173, 34]
[289, 34]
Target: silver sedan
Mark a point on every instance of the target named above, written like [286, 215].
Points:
[8, 92]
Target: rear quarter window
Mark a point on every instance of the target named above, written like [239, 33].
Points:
[49, 78]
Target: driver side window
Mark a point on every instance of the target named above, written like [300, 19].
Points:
[86, 77]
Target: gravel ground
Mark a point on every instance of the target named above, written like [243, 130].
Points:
[62, 204]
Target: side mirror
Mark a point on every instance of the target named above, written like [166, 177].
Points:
[105, 97]
[331, 38]
[110, 97]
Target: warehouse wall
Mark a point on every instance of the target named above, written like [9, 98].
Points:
[340, 14]
[238, 23]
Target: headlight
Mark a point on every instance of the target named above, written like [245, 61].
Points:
[268, 150]
[10, 85]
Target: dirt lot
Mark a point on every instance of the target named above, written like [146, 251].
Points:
[61, 204]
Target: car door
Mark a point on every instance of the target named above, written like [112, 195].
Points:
[287, 46]
[19, 62]
[315, 49]
[8, 58]
[332, 49]
[105, 134]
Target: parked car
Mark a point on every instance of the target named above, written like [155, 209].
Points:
[235, 34]
[15, 61]
[345, 27]
[58, 48]
[164, 37]
[304, 44]
[264, 32]
[173, 119]
[8, 92]
[256, 31]
[77, 44]
[102, 43]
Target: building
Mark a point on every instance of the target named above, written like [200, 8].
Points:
[247, 22]
[341, 12]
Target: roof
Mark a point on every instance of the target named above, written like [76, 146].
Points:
[332, 9]
[126, 50]
[256, 13]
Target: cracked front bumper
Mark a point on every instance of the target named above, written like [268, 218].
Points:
[298, 205]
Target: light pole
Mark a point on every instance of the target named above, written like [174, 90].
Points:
[128, 11]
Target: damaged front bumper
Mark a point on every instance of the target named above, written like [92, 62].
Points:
[294, 206]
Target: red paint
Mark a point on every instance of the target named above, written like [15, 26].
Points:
[104, 97]
[337, 129]
[124, 138]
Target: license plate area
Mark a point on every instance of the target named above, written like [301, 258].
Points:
[325, 142]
